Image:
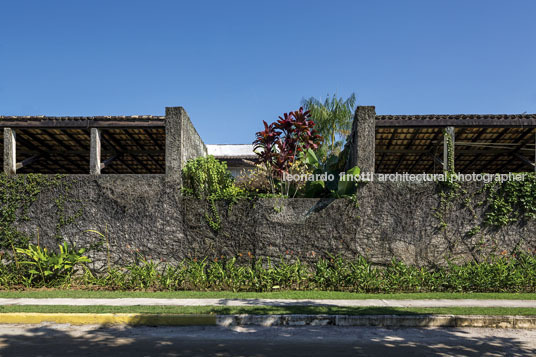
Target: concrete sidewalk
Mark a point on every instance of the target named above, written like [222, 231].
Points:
[272, 302]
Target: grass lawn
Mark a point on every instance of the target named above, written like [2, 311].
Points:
[264, 310]
[60, 293]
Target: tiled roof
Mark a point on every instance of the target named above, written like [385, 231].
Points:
[455, 116]
[99, 117]
[519, 120]
[81, 121]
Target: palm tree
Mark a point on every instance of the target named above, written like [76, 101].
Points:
[333, 120]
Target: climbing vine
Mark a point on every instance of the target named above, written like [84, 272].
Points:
[511, 201]
[449, 189]
[207, 178]
[450, 151]
[502, 202]
[17, 194]
[212, 217]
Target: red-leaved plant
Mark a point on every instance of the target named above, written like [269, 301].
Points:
[280, 143]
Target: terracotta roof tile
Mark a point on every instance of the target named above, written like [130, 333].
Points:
[99, 117]
[455, 116]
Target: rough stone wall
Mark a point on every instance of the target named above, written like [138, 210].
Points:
[362, 139]
[183, 143]
[192, 145]
[146, 214]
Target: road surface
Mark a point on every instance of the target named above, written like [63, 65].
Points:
[65, 340]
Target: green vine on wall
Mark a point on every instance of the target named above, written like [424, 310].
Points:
[207, 178]
[511, 201]
[504, 202]
[449, 189]
[212, 217]
[17, 194]
[450, 151]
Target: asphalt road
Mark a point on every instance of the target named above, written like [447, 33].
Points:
[66, 340]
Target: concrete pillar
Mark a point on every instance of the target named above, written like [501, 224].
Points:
[448, 153]
[174, 118]
[363, 139]
[10, 151]
[95, 152]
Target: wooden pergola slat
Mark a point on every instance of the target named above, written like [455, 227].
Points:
[48, 149]
[524, 141]
[428, 148]
[111, 139]
[139, 148]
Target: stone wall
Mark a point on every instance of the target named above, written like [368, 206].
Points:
[362, 140]
[183, 143]
[147, 214]
[192, 145]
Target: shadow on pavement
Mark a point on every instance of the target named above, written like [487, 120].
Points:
[65, 340]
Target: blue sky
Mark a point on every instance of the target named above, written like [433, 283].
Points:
[232, 64]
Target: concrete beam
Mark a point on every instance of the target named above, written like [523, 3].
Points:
[95, 152]
[362, 140]
[10, 151]
[448, 149]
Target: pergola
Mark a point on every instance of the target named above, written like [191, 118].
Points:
[137, 144]
[481, 143]
[122, 144]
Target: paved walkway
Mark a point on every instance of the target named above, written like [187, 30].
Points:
[272, 302]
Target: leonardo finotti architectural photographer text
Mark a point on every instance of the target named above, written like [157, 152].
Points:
[405, 177]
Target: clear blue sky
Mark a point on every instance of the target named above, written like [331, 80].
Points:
[232, 64]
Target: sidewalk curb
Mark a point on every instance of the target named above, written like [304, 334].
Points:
[107, 319]
[392, 321]
[512, 322]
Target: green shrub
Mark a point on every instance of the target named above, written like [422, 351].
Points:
[206, 177]
[49, 268]
[496, 274]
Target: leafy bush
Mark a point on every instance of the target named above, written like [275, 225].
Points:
[280, 143]
[206, 177]
[49, 267]
[333, 166]
[255, 180]
[496, 274]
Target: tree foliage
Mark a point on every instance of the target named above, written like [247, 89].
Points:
[333, 119]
